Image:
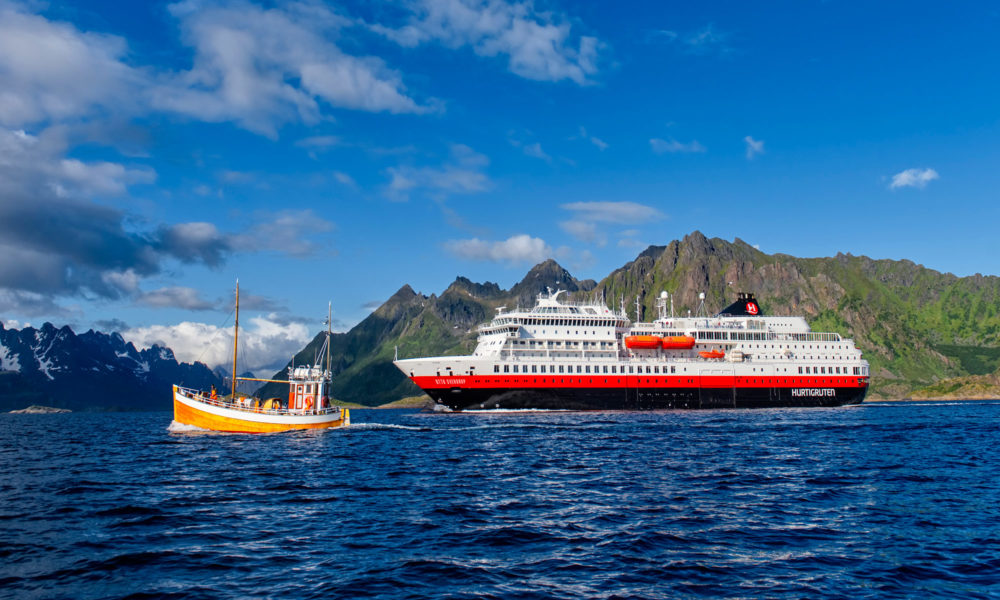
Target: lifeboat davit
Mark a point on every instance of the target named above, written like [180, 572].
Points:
[678, 342]
[712, 354]
[643, 342]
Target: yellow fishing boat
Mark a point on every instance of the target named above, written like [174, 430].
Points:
[307, 407]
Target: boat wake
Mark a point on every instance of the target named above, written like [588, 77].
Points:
[176, 427]
[384, 426]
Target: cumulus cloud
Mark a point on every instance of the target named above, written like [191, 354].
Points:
[537, 45]
[194, 242]
[915, 178]
[112, 324]
[287, 232]
[515, 249]
[29, 304]
[462, 174]
[52, 71]
[56, 240]
[175, 297]
[261, 68]
[267, 342]
[673, 146]
[754, 147]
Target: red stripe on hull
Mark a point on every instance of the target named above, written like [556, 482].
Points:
[633, 381]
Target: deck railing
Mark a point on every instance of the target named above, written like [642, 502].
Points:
[248, 407]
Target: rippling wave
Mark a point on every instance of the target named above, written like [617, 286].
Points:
[875, 501]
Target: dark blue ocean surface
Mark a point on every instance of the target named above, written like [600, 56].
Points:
[875, 501]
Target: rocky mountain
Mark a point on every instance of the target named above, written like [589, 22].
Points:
[93, 370]
[420, 325]
[916, 326]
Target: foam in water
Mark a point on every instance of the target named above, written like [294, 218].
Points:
[176, 427]
[384, 426]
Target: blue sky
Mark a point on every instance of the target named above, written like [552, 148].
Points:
[150, 153]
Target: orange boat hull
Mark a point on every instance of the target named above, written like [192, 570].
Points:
[191, 415]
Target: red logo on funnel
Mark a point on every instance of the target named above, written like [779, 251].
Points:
[752, 308]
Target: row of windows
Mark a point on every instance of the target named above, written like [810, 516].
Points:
[828, 371]
[614, 369]
[567, 344]
[562, 322]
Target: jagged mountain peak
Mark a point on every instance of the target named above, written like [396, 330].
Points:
[486, 290]
[544, 275]
[56, 367]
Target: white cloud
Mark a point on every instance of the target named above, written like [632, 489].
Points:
[27, 158]
[706, 40]
[288, 232]
[319, 141]
[584, 231]
[535, 151]
[175, 297]
[601, 144]
[626, 213]
[515, 249]
[344, 178]
[52, 71]
[462, 174]
[916, 178]
[266, 342]
[264, 67]
[754, 147]
[673, 146]
[537, 45]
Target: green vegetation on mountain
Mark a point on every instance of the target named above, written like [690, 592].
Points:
[969, 387]
[916, 326]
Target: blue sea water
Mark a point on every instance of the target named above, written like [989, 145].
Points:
[895, 500]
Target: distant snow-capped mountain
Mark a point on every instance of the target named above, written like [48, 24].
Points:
[93, 370]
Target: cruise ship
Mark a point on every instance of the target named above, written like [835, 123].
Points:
[562, 355]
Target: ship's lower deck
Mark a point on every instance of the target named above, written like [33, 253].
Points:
[640, 393]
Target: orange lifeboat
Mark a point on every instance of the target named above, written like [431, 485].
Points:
[678, 342]
[712, 354]
[643, 342]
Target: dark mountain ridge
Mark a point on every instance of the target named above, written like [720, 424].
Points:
[92, 370]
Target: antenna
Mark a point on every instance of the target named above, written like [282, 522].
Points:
[638, 313]
[701, 306]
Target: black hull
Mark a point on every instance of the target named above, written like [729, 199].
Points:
[642, 399]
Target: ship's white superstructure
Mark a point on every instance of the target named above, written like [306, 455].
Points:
[559, 354]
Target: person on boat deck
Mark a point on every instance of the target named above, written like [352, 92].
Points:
[215, 395]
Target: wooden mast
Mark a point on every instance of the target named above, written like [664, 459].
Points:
[236, 335]
[329, 330]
